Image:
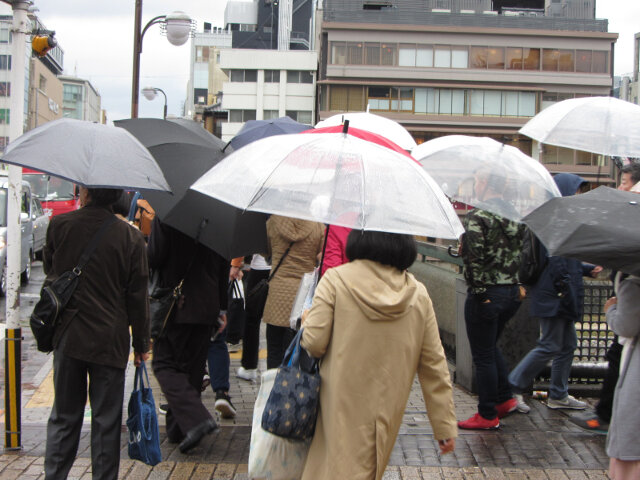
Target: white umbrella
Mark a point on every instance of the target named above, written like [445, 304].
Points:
[603, 125]
[453, 160]
[89, 154]
[373, 123]
[333, 178]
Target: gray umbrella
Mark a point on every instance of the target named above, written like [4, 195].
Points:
[599, 227]
[184, 152]
[256, 129]
[90, 154]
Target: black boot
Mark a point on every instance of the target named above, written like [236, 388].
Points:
[195, 435]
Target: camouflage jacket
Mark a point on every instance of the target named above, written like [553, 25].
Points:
[491, 249]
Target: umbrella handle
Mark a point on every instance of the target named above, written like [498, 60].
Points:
[450, 252]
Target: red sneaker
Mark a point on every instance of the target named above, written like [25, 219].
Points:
[479, 423]
[505, 408]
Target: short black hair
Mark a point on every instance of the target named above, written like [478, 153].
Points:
[634, 170]
[122, 205]
[393, 249]
[104, 197]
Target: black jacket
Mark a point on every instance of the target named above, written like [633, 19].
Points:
[112, 291]
[205, 284]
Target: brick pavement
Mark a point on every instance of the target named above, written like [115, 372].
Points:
[540, 445]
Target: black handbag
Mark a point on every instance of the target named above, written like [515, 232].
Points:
[235, 311]
[292, 407]
[258, 294]
[55, 296]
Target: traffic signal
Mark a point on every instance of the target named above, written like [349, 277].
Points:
[41, 44]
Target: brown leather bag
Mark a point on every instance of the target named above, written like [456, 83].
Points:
[144, 216]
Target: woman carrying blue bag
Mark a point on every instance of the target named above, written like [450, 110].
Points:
[373, 326]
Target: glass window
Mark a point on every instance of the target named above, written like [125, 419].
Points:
[406, 99]
[424, 56]
[599, 62]
[272, 76]
[372, 54]
[477, 102]
[442, 57]
[202, 54]
[4, 116]
[293, 76]
[407, 56]
[4, 35]
[459, 57]
[201, 75]
[235, 116]
[526, 104]
[338, 98]
[5, 62]
[458, 102]
[495, 58]
[514, 59]
[566, 61]
[445, 101]
[421, 100]
[306, 77]
[378, 98]
[492, 102]
[583, 61]
[304, 116]
[510, 104]
[478, 57]
[550, 59]
[388, 54]
[250, 75]
[531, 58]
[338, 53]
[236, 76]
[5, 89]
[354, 53]
[269, 114]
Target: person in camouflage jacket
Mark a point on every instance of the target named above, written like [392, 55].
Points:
[491, 248]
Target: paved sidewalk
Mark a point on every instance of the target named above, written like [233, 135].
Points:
[541, 445]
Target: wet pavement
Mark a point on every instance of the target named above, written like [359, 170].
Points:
[542, 444]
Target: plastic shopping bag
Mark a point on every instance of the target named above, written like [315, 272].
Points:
[272, 457]
[304, 297]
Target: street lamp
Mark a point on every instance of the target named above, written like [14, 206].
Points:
[150, 93]
[177, 26]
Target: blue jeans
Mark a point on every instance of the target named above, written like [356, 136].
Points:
[557, 342]
[218, 360]
[485, 317]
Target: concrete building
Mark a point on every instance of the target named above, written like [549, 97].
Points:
[474, 67]
[634, 90]
[80, 99]
[265, 84]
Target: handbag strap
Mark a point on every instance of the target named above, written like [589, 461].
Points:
[93, 243]
[280, 262]
[138, 379]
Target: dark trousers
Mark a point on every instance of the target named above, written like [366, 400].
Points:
[178, 363]
[106, 391]
[278, 340]
[253, 315]
[605, 404]
[218, 360]
[485, 317]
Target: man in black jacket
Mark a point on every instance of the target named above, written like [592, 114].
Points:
[92, 338]
[180, 354]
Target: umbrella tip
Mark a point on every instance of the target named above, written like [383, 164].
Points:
[345, 126]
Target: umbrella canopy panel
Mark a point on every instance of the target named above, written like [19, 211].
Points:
[598, 227]
[603, 125]
[333, 178]
[87, 153]
[454, 161]
[256, 129]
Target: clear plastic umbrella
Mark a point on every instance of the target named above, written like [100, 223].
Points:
[373, 123]
[603, 125]
[333, 178]
[454, 160]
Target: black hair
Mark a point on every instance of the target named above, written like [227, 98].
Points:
[393, 249]
[104, 197]
[122, 205]
[634, 170]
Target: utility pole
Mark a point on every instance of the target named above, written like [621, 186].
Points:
[13, 338]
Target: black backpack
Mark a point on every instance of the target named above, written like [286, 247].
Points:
[533, 259]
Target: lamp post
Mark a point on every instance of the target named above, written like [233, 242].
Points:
[177, 26]
[150, 93]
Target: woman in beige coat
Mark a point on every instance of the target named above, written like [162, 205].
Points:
[305, 239]
[374, 328]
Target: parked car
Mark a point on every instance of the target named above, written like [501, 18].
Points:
[26, 223]
[40, 221]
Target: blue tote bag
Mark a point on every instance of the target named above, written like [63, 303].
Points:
[292, 407]
[142, 421]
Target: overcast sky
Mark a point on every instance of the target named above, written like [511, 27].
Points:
[97, 39]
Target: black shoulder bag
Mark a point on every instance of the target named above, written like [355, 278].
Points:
[55, 296]
[258, 294]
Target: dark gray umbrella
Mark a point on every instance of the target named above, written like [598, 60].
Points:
[184, 153]
[256, 129]
[599, 227]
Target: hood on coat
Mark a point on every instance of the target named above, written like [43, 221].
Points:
[568, 183]
[382, 292]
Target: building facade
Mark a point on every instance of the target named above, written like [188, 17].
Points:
[466, 67]
[80, 99]
[45, 95]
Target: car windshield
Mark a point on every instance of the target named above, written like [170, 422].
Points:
[46, 187]
[3, 207]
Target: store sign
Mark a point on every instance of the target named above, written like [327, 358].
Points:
[53, 106]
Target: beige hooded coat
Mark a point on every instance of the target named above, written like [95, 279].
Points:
[374, 328]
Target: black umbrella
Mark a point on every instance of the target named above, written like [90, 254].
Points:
[599, 227]
[185, 151]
